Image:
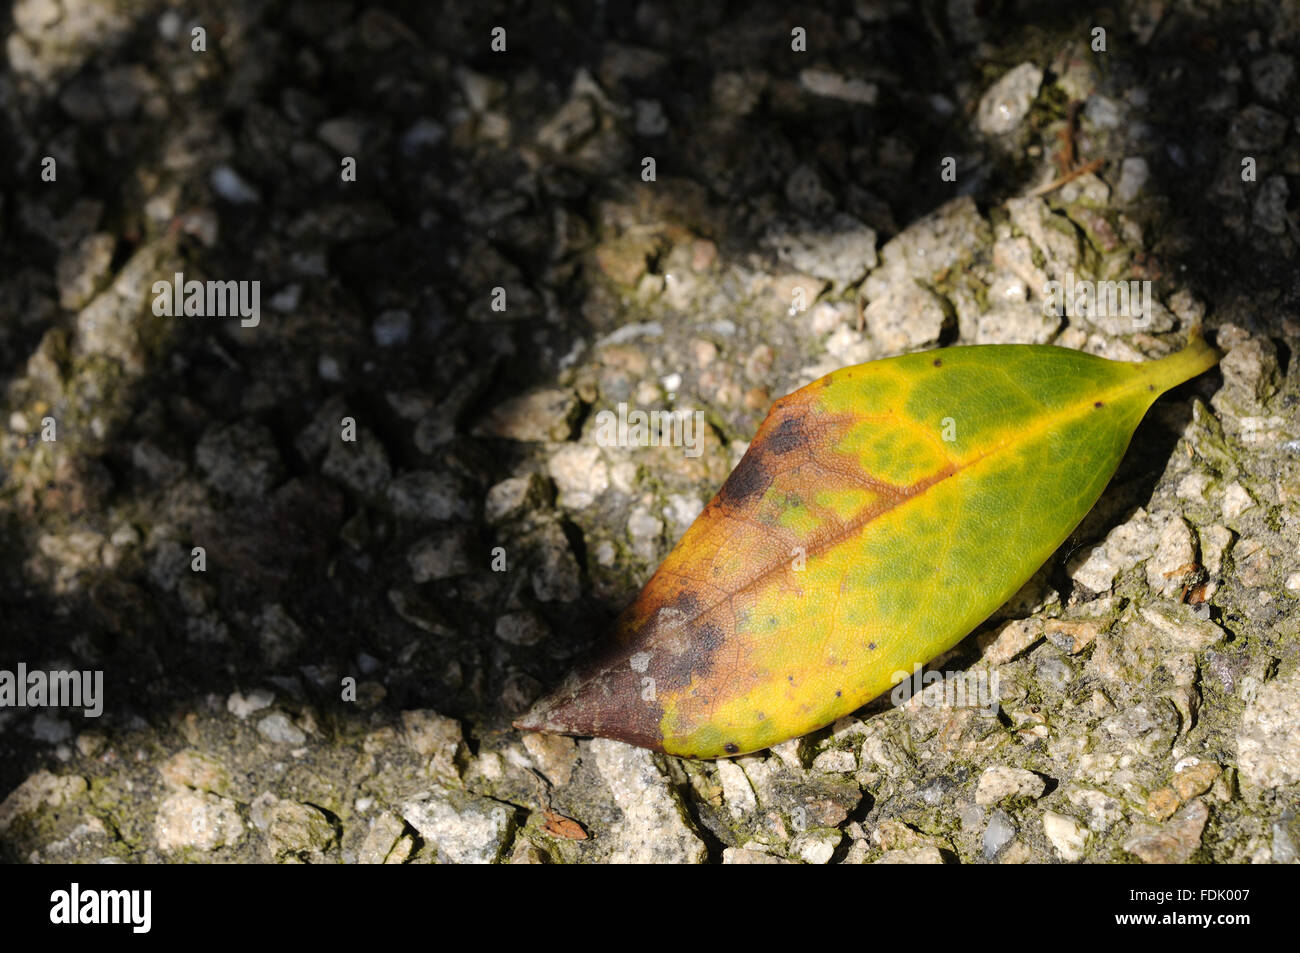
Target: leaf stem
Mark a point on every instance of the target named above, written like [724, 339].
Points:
[1183, 365]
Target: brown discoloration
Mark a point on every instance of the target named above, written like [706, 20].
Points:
[788, 437]
[677, 600]
[605, 698]
[696, 660]
[938, 362]
[685, 604]
[684, 640]
[616, 695]
[783, 433]
[1099, 404]
[750, 479]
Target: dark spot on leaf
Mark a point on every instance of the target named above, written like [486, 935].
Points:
[709, 637]
[1098, 404]
[789, 678]
[1151, 387]
[938, 362]
[750, 478]
[731, 747]
[694, 663]
[687, 603]
[787, 438]
[838, 693]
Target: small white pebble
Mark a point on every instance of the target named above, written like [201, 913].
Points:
[1236, 501]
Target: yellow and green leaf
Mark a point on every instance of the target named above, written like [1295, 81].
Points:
[880, 514]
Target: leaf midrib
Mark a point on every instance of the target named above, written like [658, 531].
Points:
[904, 495]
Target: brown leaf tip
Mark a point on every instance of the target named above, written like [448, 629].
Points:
[604, 701]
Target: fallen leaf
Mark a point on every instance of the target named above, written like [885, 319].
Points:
[561, 826]
[880, 514]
